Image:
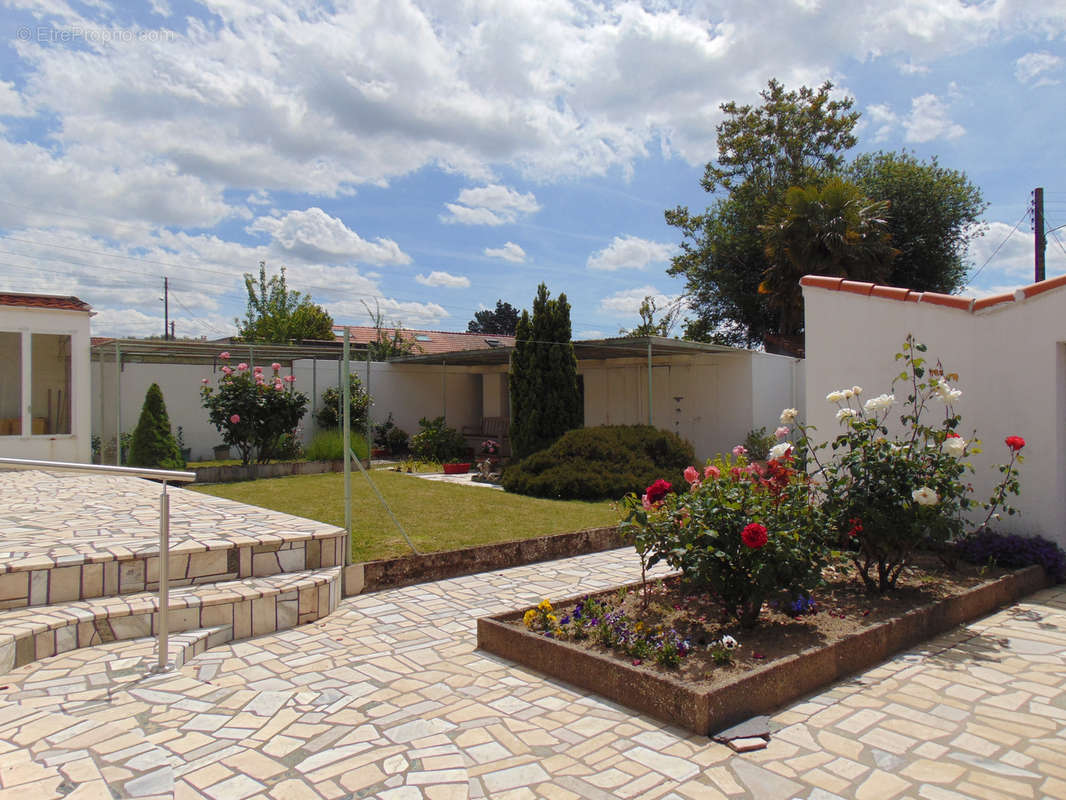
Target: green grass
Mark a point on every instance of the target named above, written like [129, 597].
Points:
[437, 516]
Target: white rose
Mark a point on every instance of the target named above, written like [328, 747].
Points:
[789, 415]
[848, 394]
[875, 404]
[946, 394]
[856, 390]
[729, 643]
[925, 496]
[955, 446]
[845, 413]
[780, 450]
[835, 396]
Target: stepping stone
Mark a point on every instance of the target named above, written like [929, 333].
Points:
[755, 727]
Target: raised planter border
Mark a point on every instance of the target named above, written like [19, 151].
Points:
[757, 692]
[392, 573]
[231, 473]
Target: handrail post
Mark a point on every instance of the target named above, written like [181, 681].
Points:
[162, 624]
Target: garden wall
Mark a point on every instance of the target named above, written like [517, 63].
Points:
[1008, 351]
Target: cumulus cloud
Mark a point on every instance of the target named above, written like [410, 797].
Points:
[627, 301]
[929, 120]
[443, 279]
[314, 235]
[1012, 265]
[1033, 68]
[490, 205]
[509, 252]
[629, 252]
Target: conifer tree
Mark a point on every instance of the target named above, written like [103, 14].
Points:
[545, 398]
[153, 444]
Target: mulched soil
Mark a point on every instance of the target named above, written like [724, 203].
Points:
[843, 607]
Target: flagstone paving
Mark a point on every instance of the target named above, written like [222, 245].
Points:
[388, 698]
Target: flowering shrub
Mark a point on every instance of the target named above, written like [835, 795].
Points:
[742, 531]
[997, 549]
[253, 413]
[885, 496]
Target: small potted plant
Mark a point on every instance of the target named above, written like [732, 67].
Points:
[489, 466]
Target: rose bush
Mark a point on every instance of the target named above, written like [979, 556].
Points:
[742, 531]
[252, 412]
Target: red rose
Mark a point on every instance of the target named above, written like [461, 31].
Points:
[754, 535]
[952, 436]
[657, 491]
[1015, 443]
[856, 526]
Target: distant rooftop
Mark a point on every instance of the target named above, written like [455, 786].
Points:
[43, 301]
[428, 342]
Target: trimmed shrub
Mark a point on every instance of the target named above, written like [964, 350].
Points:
[605, 462]
[329, 414]
[437, 441]
[153, 445]
[329, 446]
[1012, 550]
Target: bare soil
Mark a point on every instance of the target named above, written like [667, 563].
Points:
[843, 607]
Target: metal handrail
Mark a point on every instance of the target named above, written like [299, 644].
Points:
[164, 475]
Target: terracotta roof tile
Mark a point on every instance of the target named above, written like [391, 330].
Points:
[935, 298]
[429, 342]
[43, 301]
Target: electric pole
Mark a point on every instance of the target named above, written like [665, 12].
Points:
[166, 308]
[1040, 239]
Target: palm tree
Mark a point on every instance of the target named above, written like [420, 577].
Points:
[832, 229]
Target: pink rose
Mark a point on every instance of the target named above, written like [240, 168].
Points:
[781, 432]
[740, 450]
[224, 356]
[242, 367]
[227, 371]
[258, 370]
[275, 366]
[712, 472]
[691, 475]
[278, 386]
[290, 378]
[203, 381]
[235, 418]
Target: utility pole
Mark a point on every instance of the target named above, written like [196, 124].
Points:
[166, 308]
[171, 329]
[1040, 238]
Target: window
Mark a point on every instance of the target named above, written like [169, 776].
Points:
[50, 376]
[10, 383]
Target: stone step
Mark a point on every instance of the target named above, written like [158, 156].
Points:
[78, 538]
[247, 607]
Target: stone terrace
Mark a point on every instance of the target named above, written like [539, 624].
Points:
[388, 698]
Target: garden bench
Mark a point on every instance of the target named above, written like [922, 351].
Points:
[490, 428]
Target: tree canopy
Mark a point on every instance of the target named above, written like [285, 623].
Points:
[545, 398]
[649, 326]
[798, 140]
[277, 314]
[501, 322]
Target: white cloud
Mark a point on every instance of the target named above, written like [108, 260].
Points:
[490, 205]
[1033, 68]
[1013, 264]
[313, 235]
[443, 279]
[883, 119]
[628, 301]
[929, 120]
[509, 252]
[629, 252]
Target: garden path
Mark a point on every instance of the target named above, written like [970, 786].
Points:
[388, 698]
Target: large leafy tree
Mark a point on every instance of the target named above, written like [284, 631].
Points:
[933, 215]
[831, 229]
[501, 322]
[545, 398]
[277, 314]
[794, 138]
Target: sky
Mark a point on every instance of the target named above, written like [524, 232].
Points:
[425, 159]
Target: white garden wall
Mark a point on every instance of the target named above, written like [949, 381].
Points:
[1010, 357]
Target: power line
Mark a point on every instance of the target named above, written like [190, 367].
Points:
[999, 247]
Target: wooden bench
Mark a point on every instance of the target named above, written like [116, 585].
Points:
[490, 428]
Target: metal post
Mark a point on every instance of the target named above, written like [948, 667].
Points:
[649, 382]
[162, 626]
[347, 433]
[369, 402]
[314, 386]
[118, 405]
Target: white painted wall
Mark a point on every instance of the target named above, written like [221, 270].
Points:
[75, 446]
[1011, 363]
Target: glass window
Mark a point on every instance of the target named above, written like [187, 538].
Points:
[10, 383]
[50, 383]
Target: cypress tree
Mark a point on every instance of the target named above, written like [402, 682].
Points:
[153, 443]
[543, 382]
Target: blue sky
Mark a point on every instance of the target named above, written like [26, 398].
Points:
[431, 158]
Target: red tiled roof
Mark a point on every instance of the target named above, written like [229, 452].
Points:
[429, 342]
[43, 301]
[949, 300]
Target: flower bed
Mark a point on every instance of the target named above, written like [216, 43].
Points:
[781, 661]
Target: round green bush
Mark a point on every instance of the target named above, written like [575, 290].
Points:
[601, 463]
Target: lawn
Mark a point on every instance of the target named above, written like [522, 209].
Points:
[437, 516]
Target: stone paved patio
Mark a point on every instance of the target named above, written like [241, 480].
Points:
[388, 698]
